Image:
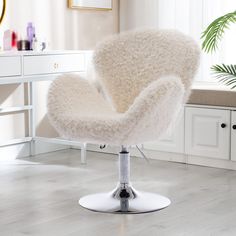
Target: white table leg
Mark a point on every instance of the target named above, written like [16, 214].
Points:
[32, 124]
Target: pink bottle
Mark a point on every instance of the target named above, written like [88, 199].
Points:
[7, 40]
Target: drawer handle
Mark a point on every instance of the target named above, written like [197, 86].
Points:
[223, 125]
[56, 65]
[234, 126]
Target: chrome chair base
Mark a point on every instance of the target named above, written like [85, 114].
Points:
[126, 200]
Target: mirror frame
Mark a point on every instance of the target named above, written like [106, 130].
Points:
[73, 5]
[2, 14]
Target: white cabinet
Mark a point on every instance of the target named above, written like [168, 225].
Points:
[172, 141]
[206, 135]
[207, 132]
[233, 136]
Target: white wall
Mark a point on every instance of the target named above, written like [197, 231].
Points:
[138, 13]
[65, 29]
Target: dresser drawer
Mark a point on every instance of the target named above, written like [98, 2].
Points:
[48, 64]
[10, 66]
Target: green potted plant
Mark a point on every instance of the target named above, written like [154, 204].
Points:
[211, 38]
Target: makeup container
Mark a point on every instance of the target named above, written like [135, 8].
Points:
[23, 45]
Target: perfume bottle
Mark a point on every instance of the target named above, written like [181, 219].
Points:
[35, 44]
[30, 33]
[14, 40]
[7, 40]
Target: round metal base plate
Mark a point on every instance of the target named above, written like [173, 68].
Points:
[142, 203]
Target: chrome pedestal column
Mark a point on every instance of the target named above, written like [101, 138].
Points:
[124, 199]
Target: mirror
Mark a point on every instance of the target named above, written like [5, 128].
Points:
[91, 4]
[2, 9]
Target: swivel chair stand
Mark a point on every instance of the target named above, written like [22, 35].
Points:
[124, 199]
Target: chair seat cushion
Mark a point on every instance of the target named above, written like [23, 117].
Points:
[79, 112]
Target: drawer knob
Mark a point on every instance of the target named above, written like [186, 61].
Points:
[234, 126]
[56, 65]
[223, 125]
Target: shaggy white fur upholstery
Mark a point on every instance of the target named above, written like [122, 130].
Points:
[146, 74]
[127, 63]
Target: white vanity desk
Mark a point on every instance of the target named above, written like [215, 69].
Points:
[29, 67]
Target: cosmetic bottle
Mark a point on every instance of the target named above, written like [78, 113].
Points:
[7, 40]
[35, 44]
[14, 40]
[30, 33]
[23, 45]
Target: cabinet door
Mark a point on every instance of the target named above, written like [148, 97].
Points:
[172, 141]
[233, 137]
[207, 132]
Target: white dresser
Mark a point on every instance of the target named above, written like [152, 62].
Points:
[29, 67]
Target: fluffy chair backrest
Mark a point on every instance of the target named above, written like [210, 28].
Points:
[128, 62]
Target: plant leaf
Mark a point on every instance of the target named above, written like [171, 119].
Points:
[214, 32]
[225, 74]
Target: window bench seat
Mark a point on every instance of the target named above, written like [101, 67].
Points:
[213, 97]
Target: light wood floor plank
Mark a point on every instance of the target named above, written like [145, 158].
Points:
[38, 196]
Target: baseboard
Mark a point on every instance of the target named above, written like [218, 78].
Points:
[44, 147]
[107, 149]
[172, 157]
[13, 152]
[192, 160]
[23, 150]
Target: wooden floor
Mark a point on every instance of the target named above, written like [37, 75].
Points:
[39, 197]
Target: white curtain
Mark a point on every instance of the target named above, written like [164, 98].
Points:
[188, 16]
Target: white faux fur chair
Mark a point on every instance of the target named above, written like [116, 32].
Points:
[146, 76]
